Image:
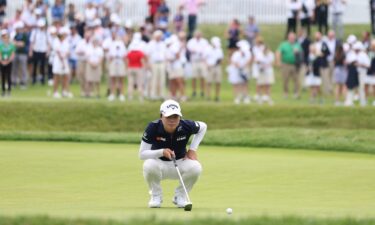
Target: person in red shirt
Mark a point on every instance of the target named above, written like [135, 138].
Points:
[136, 61]
[153, 8]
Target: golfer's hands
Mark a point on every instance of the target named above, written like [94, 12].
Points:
[168, 153]
[191, 155]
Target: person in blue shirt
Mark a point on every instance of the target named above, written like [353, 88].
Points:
[164, 139]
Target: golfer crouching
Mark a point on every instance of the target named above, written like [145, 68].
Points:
[164, 139]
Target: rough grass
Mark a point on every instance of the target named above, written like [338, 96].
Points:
[288, 138]
[44, 220]
[105, 117]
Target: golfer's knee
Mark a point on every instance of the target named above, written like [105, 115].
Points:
[195, 168]
[150, 166]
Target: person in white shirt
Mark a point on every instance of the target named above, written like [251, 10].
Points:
[363, 64]
[90, 13]
[214, 58]
[337, 9]
[197, 47]
[60, 66]
[370, 79]
[157, 58]
[177, 60]
[81, 62]
[73, 40]
[263, 72]
[307, 13]
[38, 50]
[238, 71]
[116, 68]
[294, 8]
[52, 36]
[94, 60]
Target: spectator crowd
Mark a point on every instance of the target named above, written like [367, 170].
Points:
[59, 44]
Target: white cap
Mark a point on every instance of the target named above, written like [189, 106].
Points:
[137, 36]
[38, 11]
[64, 31]
[19, 25]
[129, 24]
[52, 30]
[169, 108]
[41, 23]
[4, 32]
[97, 22]
[157, 33]
[243, 45]
[351, 39]
[216, 42]
[350, 58]
[358, 46]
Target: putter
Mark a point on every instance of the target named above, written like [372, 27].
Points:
[189, 205]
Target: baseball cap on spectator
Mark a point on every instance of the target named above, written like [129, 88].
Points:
[78, 17]
[4, 32]
[114, 18]
[243, 45]
[358, 46]
[216, 42]
[129, 24]
[52, 30]
[41, 23]
[169, 108]
[38, 11]
[351, 39]
[19, 25]
[350, 58]
[157, 33]
[97, 22]
[64, 31]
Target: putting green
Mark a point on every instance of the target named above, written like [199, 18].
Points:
[105, 181]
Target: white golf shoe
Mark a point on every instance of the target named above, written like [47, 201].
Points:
[155, 201]
[179, 201]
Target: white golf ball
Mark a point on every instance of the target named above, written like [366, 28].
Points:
[229, 211]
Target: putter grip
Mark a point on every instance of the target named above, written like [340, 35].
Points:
[174, 161]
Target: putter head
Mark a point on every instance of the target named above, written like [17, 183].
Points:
[188, 206]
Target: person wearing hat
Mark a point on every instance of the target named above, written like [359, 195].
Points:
[94, 60]
[164, 139]
[19, 65]
[238, 71]
[60, 66]
[177, 59]
[156, 51]
[363, 64]
[215, 56]
[136, 62]
[39, 47]
[7, 53]
[116, 68]
[197, 47]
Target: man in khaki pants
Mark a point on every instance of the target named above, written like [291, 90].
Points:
[287, 58]
[157, 58]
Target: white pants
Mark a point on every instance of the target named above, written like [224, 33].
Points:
[156, 170]
[158, 80]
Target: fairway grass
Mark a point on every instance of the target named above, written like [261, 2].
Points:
[91, 180]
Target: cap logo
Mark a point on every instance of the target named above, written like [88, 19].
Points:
[172, 106]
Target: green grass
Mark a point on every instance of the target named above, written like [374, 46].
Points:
[105, 181]
[288, 138]
[106, 117]
[264, 220]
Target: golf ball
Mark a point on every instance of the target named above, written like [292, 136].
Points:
[229, 211]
